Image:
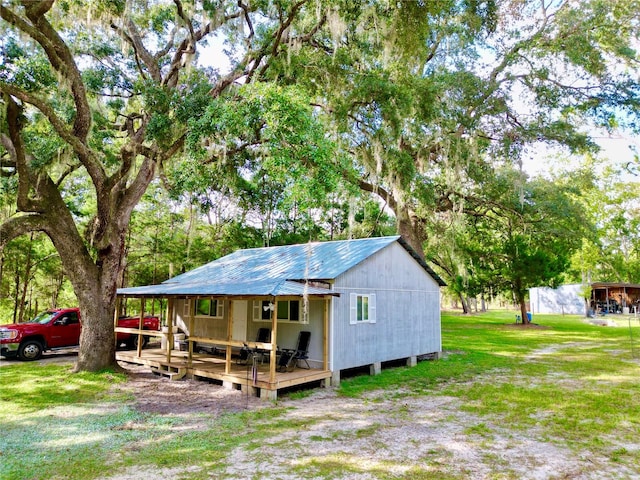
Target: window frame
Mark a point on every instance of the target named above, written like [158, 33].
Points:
[357, 314]
[215, 308]
[262, 315]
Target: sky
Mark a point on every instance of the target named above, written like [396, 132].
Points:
[616, 151]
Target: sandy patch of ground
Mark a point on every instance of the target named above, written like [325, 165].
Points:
[377, 435]
[157, 394]
[381, 434]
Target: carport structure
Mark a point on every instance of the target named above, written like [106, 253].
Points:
[611, 297]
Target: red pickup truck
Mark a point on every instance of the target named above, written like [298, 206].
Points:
[59, 328]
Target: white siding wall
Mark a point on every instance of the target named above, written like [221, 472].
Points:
[564, 299]
[202, 327]
[288, 332]
[408, 311]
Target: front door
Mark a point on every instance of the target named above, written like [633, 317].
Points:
[240, 320]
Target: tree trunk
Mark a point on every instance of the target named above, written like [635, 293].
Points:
[465, 304]
[97, 301]
[410, 228]
[97, 342]
[523, 309]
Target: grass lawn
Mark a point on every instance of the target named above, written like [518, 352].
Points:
[565, 383]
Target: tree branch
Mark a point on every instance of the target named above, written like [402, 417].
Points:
[61, 58]
[85, 155]
[20, 225]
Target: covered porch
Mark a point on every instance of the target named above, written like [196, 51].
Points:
[609, 297]
[232, 329]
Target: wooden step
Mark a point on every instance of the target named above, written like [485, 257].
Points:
[173, 373]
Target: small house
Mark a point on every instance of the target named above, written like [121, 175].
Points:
[354, 302]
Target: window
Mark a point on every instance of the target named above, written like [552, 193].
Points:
[363, 308]
[286, 311]
[69, 318]
[289, 310]
[261, 311]
[206, 307]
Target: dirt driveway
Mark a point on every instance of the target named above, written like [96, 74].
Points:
[65, 356]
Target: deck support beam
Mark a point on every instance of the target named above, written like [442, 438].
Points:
[192, 321]
[325, 335]
[171, 314]
[115, 322]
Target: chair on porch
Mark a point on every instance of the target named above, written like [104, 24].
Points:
[248, 354]
[289, 357]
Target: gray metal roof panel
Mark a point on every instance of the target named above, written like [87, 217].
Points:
[319, 261]
[270, 270]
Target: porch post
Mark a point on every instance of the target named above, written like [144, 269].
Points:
[140, 324]
[192, 316]
[171, 312]
[115, 322]
[227, 364]
[325, 336]
[274, 333]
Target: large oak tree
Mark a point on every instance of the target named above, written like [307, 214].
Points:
[429, 97]
[108, 89]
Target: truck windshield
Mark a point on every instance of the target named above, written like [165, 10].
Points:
[42, 318]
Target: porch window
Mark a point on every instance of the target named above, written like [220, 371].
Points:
[363, 308]
[289, 311]
[286, 311]
[209, 307]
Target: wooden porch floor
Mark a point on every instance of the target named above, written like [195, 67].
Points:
[213, 367]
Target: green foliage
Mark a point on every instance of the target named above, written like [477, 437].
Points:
[610, 202]
[33, 279]
[167, 238]
[518, 234]
[29, 70]
[415, 102]
[287, 144]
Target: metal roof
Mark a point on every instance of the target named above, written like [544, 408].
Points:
[227, 289]
[600, 285]
[282, 270]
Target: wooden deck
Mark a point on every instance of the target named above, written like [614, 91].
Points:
[213, 367]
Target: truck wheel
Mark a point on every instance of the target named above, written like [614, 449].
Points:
[30, 350]
[134, 341]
